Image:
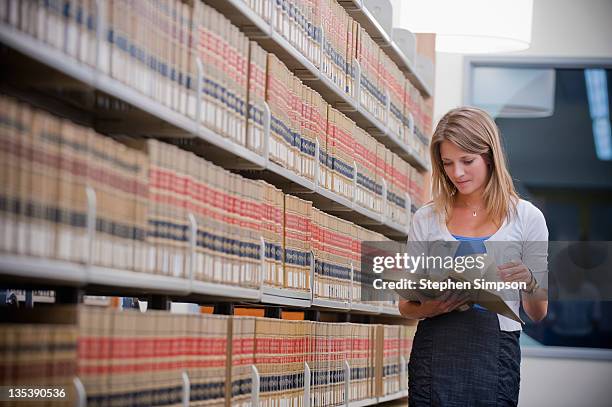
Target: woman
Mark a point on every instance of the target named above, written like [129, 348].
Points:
[472, 357]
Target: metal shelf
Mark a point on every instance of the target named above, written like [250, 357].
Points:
[362, 15]
[390, 311]
[394, 396]
[285, 292]
[25, 269]
[288, 301]
[365, 402]
[365, 308]
[241, 15]
[331, 304]
[145, 282]
[224, 290]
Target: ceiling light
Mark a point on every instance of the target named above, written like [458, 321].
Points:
[468, 26]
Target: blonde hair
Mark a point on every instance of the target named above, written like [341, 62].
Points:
[474, 131]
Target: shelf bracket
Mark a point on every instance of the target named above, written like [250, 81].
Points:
[255, 379]
[306, 402]
[81, 399]
[186, 396]
[347, 383]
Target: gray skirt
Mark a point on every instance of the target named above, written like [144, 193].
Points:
[463, 359]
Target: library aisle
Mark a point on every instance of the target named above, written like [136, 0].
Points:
[186, 188]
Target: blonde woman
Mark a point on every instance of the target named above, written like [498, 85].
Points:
[472, 357]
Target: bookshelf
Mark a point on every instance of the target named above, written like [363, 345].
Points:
[256, 28]
[361, 14]
[141, 114]
[219, 149]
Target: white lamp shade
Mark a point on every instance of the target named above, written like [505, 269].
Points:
[468, 26]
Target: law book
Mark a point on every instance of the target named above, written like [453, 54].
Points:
[296, 262]
[295, 110]
[316, 245]
[84, 17]
[123, 222]
[117, 26]
[341, 24]
[242, 85]
[390, 359]
[388, 177]
[97, 179]
[71, 226]
[10, 163]
[255, 212]
[378, 341]
[394, 83]
[45, 184]
[113, 229]
[207, 225]
[27, 118]
[94, 346]
[55, 24]
[341, 136]
[273, 229]
[242, 357]
[277, 81]
[141, 356]
[141, 190]
[179, 187]
[393, 190]
[364, 179]
[351, 42]
[256, 97]
[320, 118]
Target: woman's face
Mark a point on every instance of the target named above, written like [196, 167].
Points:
[468, 172]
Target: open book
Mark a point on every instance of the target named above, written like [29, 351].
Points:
[481, 283]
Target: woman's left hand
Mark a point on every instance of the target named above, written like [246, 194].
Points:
[514, 271]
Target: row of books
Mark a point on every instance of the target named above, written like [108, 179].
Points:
[188, 56]
[145, 192]
[351, 162]
[133, 358]
[47, 166]
[333, 41]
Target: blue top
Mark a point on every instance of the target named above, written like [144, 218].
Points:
[471, 245]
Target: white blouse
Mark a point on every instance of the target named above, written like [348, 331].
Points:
[525, 234]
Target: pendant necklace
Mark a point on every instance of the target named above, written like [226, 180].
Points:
[474, 210]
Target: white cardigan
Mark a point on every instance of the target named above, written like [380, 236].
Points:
[525, 232]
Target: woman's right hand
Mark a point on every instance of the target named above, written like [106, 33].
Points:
[428, 308]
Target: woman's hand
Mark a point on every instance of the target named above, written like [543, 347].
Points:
[429, 308]
[535, 303]
[515, 271]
